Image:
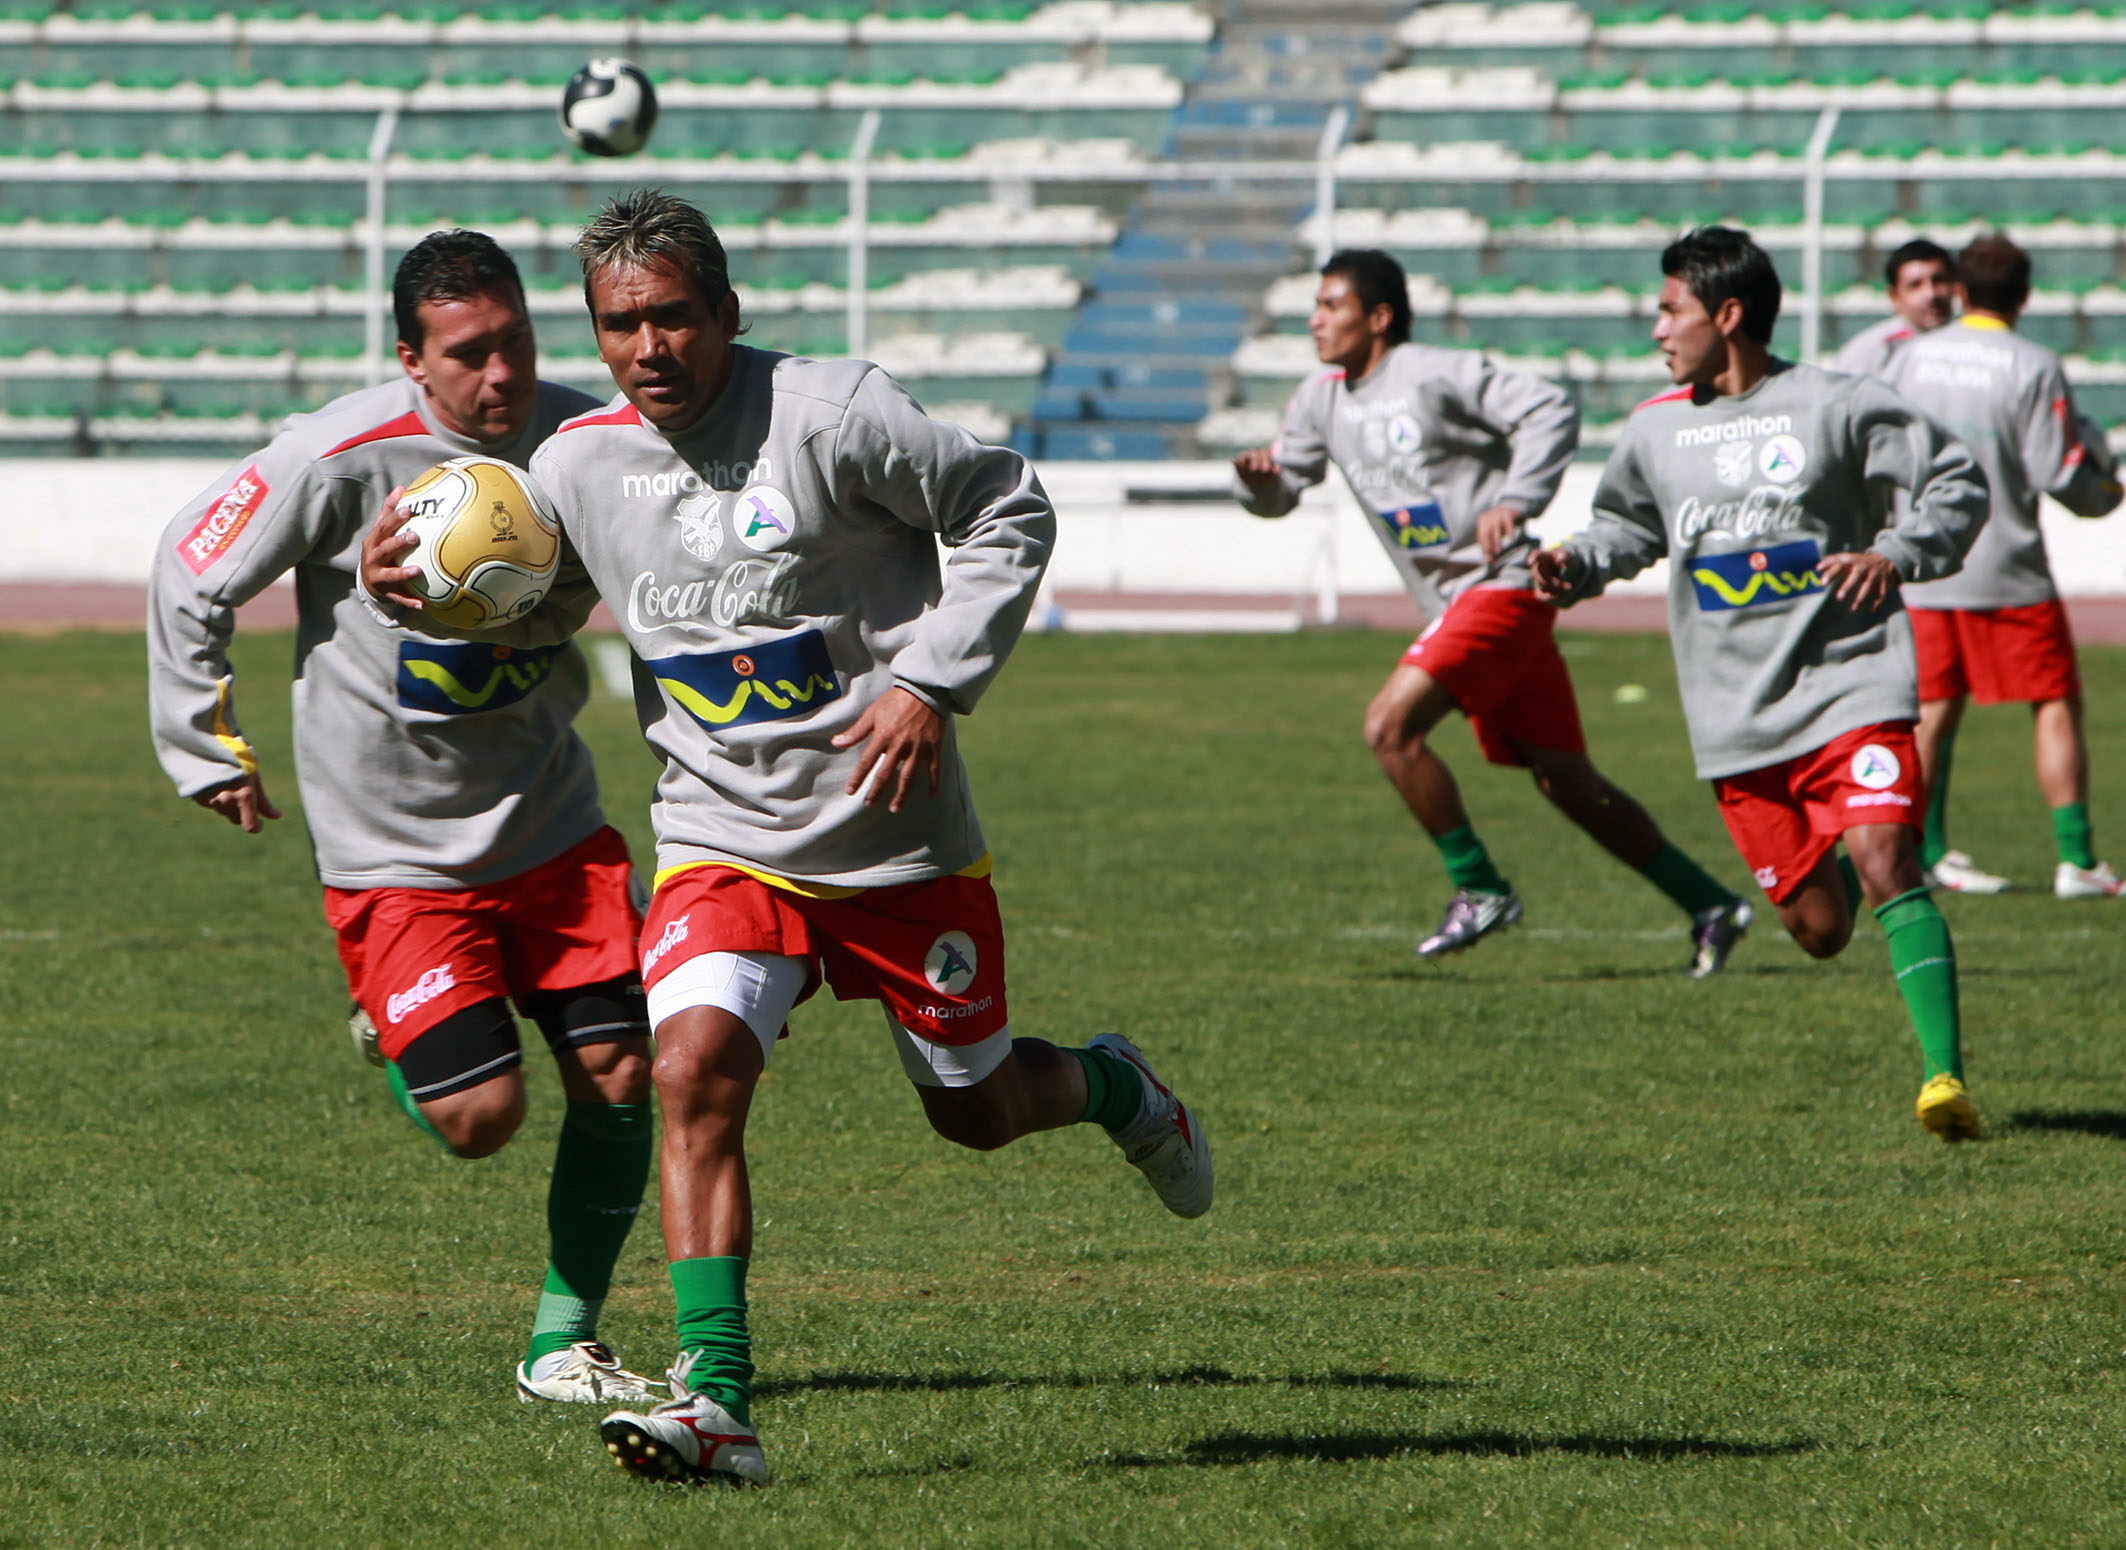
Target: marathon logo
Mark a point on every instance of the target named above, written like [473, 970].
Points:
[692, 481]
[1878, 799]
[946, 1014]
[218, 529]
[419, 993]
[773, 681]
[1423, 526]
[1746, 427]
[1753, 578]
[461, 678]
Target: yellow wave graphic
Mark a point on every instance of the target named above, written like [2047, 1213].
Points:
[718, 715]
[453, 689]
[1782, 583]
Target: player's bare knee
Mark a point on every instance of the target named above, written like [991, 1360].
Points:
[967, 1118]
[618, 1072]
[479, 1121]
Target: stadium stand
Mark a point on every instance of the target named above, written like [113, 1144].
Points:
[1528, 162]
[183, 185]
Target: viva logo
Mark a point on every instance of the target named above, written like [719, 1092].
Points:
[1423, 526]
[459, 678]
[1752, 578]
[772, 681]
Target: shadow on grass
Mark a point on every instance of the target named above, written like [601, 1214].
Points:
[1180, 1377]
[1229, 1448]
[2109, 1123]
[1433, 973]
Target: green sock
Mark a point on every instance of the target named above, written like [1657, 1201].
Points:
[601, 1164]
[1924, 961]
[1849, 880]
[1468, 863]
[711, 1294]
[404, 1098]
[2070, 826]
[1684, 881]
[1113, 1090]
[1934, 843]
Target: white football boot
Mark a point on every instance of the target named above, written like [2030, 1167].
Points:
[2097, 882]
[363, 1032]
[1470, 917]
[1958, 873]
[587, 1373]
[1164, 1142]
[690, 1437]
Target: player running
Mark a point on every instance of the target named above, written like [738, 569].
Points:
[1921, 280]
[766, 530]
[1454, 456]
[453, 812]
[1769, 486]
[1996, 630]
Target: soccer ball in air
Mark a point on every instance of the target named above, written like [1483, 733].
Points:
[488, 542]
[609, 107]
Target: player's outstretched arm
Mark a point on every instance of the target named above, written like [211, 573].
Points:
[1627, 534]
[2084, 474]
[1927, 536]
[1267, 481]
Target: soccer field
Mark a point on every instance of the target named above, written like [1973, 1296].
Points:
[1545, 1245]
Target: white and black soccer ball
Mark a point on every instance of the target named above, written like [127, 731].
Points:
[610, 107]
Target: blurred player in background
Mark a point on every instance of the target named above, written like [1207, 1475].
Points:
[1453, 457]
[1770, 486]
[1996, 631]
[766, 529]
[1921, 279]
[452, 810]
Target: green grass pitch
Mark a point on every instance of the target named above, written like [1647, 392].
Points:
[1547, 1245]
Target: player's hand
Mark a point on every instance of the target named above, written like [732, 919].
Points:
[900, 735]
[384, 546]
[1496, 528]
[1862, 580]
[1553, 570]
[243, 802]
[1257, 468]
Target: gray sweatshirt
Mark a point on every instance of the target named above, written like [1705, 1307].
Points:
[1746, 494]
[1868, 352]
[1430, 440]
[2007, 399]
[775, 569]
[422, 762]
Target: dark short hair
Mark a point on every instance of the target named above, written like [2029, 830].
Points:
[453, 265]
[646, 227]
[1918, 251]
[1377, 280]
[1994, 273]
[1721, 263]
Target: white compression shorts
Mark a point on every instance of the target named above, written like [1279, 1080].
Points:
[759, 989]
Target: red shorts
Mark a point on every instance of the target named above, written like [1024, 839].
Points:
[415, 955]
[933, 951]
[1785, 817]
[1996, 655]
[1494, 652]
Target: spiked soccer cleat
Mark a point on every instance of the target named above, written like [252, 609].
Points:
[1470, 917]
[1714, 933]
[1946, 1110]
[688, 1438]
[2096, 882]
[363, 1032]
[1958, 873]
[1165, 1142]
[587, 1373]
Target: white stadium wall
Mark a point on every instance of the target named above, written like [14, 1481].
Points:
[95, 520]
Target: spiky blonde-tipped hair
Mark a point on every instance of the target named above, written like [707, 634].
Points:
[646, 228]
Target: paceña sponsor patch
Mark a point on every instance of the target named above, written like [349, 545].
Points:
[1751, 578]
[212, 535]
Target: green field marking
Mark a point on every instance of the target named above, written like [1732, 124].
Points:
[1543, 1245]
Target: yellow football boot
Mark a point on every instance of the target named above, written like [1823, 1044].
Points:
[1946, 1109]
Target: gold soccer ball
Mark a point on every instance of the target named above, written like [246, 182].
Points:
[488, 542]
